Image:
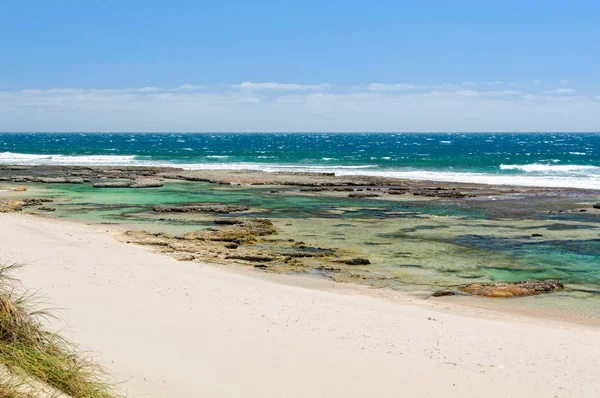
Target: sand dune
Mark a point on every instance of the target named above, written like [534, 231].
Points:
[178, 329]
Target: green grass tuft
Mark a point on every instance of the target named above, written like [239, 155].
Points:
[33, 355]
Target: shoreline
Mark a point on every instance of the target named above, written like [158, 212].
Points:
[207, 324]
[469, 306]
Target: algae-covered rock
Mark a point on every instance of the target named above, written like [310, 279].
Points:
[242, 230]
[512, 289]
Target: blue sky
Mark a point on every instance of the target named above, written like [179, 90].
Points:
[311, 65]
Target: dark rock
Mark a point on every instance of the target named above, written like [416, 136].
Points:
[35, 201]
[363, 195]
[46, 208]
[312, 189]
[258, 259]
[443, 292]
[231, 245]
[357, 261]
[536, 235]
[200, 208]
[596, 205]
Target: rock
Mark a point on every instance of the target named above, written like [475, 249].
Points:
[536, 235]
[231, 245]
[440, 193]
[357, 261]
[243, 232]
[9, 206]
[200, 208]
[46, 208]
[184, 256]
[35, 201]
[398, 190]
[596, 205]
[260, 259]
[19, 189]
[512, 289]
[113, 184]
[147, 184]
[58, 180]
[363, 195]
[443, 292]
[312, 189]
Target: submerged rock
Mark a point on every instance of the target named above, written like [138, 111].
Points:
[200, 208]
[512, 289]
[596, 205]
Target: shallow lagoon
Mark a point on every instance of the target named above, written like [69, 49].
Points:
[414, 244]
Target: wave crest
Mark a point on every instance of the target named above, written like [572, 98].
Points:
[548, 168]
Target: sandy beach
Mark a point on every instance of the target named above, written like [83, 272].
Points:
[168, 328]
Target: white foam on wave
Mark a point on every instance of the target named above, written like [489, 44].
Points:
[549, 168]
[584, 182]
[537, 175]
[28, 159]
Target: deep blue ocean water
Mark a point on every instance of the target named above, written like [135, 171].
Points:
[539, 159]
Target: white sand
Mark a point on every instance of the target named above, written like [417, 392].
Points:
[178, 329]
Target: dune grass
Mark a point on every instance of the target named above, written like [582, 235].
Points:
[37, 358]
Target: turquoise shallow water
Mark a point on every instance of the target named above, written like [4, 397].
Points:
[420, 243]
[528, 159]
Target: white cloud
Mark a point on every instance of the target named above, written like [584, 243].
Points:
[473, 93]
[394, 87]
[560, 91]
[565, 81]
[496, 83]
[468, 83]
[281, 86]
[447, 86]
[537, 82]
[340, 109]
[190, 87]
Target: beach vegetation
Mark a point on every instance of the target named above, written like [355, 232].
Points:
[35, 362]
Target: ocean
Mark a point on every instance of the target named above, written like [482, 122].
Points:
[532, 159]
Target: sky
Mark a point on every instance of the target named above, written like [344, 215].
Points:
[299, 66]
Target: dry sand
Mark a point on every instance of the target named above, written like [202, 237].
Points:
[180, 329]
